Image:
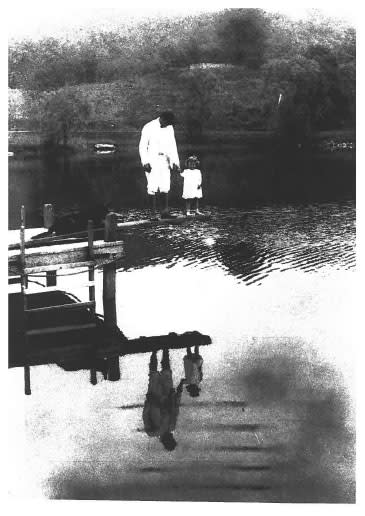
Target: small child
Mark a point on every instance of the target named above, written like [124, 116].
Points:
[192, 183]
[193, 366]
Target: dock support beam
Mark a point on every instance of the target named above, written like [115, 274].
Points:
[110, 312]
[91, 273]
[51, 278]
[27, 389]
[48, 216]
[24, 285]
[48, 223]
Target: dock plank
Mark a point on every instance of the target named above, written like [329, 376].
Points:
[122, 226]
[48, 257]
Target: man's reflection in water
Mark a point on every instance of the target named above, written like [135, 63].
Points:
[193, 366]
[161, 407]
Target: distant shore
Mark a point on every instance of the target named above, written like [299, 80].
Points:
[84, 140]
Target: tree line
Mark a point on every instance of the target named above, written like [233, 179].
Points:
[312, 63]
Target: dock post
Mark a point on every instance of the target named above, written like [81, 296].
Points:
[48, 223]
[27, 389]
[51, 278]
[90, 242]
[24, 285]
[109, 273]
[48, 216]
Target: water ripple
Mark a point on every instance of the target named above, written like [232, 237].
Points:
[252, 244]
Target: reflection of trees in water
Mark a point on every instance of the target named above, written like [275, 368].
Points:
[232, 176]
[242, 260]
[197, 244]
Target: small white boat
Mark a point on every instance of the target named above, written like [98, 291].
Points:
[105, 148]
[10, 154]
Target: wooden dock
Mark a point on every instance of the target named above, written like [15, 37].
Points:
[65, 332]
[63, 256]
[119, 229]
[52, 326]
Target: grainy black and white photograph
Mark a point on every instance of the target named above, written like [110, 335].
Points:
[181, 254]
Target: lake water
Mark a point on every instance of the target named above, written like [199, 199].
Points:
[273, 287]
[232, 176]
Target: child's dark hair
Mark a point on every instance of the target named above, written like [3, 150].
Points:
[193, 159]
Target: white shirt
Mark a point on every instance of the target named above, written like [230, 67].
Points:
[158, 141]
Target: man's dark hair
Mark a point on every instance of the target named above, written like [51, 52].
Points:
[168, 117]
[168, 441]
[193, 390]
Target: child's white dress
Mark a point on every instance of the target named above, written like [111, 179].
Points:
[193, 370]
[192, 182]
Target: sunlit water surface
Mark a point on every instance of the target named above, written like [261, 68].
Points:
[273, 287]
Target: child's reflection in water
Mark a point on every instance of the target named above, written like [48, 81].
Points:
[161, 407]
[193, 366]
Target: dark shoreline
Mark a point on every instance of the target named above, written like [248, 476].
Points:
[37, 142]
[235, 174]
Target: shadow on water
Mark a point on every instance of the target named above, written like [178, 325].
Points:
[321, 420]
[261, 449]
[236, 427]
[235, 467]
[210, 404]
[302, 452]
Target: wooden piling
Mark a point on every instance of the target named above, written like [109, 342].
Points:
[22, 240]
[90, 243]
[24, 285]
[51, 278]
[27, 389]
[63, 256]
[109, 273]
[48, 216]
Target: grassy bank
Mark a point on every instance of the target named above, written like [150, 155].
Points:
[235, 100]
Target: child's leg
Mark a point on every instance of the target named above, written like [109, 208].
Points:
[187, 206]
[196, 351]
[153, 204]
[197, 206]
[188, 352]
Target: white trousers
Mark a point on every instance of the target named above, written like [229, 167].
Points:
[158, 180]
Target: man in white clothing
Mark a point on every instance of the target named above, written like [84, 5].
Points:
[158, 152]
